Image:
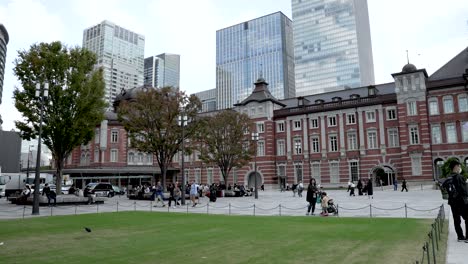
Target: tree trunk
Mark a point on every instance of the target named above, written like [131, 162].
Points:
[58, 180]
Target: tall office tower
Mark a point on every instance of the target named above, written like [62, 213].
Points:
[3, 49]
[244, 52]
[120, 52]
[208, 100]
[162, 70]
[332, 45]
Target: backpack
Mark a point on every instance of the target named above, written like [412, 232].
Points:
[449, 186]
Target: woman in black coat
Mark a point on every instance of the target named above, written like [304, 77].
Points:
[370, 191]
[311, 196]
[359, 187]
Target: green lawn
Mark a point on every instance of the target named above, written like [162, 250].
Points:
[145, 237]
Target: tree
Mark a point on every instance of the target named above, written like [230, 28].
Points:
[225, 141]
[75, 104]
[446, 171]
[151, 120]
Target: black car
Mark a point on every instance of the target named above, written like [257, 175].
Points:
[101, 189]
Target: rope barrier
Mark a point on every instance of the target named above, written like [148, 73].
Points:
[421, 210]
[388, 209]
[351, 209]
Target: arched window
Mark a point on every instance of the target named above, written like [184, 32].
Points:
[131, 158]
[140, 157]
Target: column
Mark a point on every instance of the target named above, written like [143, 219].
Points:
[360, 120]
[323, 136]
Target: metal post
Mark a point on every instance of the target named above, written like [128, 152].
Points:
[229, 208]
[207, 208]
[427, 253]
[279, 209]
[254, 210]
[97, 208]
[42, 94]
[406, 211]
[182, 120]
[370, 210]
[117, 206]
[255, 138]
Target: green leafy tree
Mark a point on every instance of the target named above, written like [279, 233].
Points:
[225, 141]
[151, 120]
[75, 104]
[446, 171]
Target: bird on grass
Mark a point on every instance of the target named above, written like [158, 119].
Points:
[87, 229]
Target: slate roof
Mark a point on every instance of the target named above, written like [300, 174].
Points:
[260, 94]
[456, 67]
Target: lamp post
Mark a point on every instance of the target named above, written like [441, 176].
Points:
[255, 138]
[182, 121]
[41, 94]
[27, 168]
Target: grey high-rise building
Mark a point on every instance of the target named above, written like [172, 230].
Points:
[332, 45]
[120, 52]
[3, 50]
[162, 70]
[244, 52]
[208, 100]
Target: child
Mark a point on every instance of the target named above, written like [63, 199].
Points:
[325, 199]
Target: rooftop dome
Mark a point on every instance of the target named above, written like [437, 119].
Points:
[409, 68]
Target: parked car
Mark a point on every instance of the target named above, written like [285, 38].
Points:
[101, 189]
[117, 190]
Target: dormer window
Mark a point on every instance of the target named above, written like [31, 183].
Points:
[300, 101]
[336, 99]
[372, 91]
[319, 101]
[354, 96]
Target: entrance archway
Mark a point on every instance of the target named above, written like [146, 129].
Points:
[383, 175]
[251, 180]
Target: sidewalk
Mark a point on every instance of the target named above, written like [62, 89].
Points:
[456, 251]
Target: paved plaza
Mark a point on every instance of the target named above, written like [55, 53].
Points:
[419, 202]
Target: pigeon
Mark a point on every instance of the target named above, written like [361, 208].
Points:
[87, 229]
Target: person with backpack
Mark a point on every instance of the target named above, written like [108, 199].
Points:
[455, 185]
[311, 197]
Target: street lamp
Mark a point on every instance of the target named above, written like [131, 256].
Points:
[255, 138]
[182, 121]
[41, 94]
[27, 168]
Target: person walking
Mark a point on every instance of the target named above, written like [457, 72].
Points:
[403, 185]
[194, 193]
[170, 189]
[311, 196]
[456, 187]
[351, 188]
[300, 188]
[359, 187]
[159, 194]
[395, 184]
[370, 190]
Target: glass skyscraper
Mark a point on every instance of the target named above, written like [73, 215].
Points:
[162, 70]
[332, 45]
[3, 50]
[262, 46]
[120, 52]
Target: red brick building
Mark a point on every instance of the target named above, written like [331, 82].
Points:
[404, 129]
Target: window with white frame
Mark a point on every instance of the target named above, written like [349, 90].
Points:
[315, 145]
[234, 175]
[260, 127]
[464, 128]
[297, 146]
[416, 165]
[209, 175]
[197, 175]
[412, 110]
[448, 104]
[149, 159]
[260, 109]
[298, 172]
[352, 141]
[131, 158]
[451, 133]
[140, 158]
[96, 135]
[334, 172]
[314, 123]
[261, 148]
[351, 119]
[332, 121]
[414, 135]
[280, 127]
[114, 155]
[333, 143]
[433, 106]
[393, 140]
[114, 136]
[370, 116]
[280, 148]
[462, 103]
[354, 171]
[297, 124]
[96, 155]
[391, 114]
[316, 171]
[372, 139]
[252, 111]
[436, 134]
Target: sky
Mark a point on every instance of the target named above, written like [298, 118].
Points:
[433, 32]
